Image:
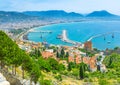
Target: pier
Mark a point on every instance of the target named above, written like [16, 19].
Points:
[104, 34]
[65, 39]
[47, 31]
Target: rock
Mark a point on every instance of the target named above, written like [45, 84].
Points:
[4, 83]
[3, 80]
[11, 78]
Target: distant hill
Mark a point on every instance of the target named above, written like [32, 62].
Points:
[13, 16]
[102, 13]
[53, 13]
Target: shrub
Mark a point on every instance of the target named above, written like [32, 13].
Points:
[45, 82]
[103, 82]
[58, 77]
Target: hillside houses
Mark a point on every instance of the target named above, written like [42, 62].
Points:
[75, 55]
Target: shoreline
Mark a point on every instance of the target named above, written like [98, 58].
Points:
[52, 24]
[24, 33]
[55, 23]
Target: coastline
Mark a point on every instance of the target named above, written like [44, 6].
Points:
[24, 33]
[94, 46]
[53, 23]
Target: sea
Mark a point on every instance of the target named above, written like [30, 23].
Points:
[105, 34]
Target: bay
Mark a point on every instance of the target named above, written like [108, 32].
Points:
[81, 32]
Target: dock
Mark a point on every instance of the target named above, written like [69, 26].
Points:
[65, 39]
[103, 34]
[33, 31]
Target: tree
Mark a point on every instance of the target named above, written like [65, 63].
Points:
[12, 55]
[112, 61]
[35, 53]
[61, 67]
[83, 68]
[25, 61]
[53, 63]
[116, 48]
[58, 55]
[71, 65]
[62, 53]
[39, 53]
[44, 64]
[99, 58]
[35, 72]
[67, 55]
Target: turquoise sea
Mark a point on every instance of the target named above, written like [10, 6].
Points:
[81, 32]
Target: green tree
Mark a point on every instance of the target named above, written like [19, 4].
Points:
[83, 68]
[67, 55]
[12, 55]
[61, 67]
[44, 64]
[62, 53]
[35, 72]
[71, 65]
[57, 55]
[39, 53]
[53, 63]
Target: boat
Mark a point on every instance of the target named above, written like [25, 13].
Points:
[108, 42]
[104, 38]
[41, 36]
[112, 35]
[59, 36]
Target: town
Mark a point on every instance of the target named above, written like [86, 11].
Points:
[75, 53]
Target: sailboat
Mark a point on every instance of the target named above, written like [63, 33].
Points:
[41, 36]
[112, 35]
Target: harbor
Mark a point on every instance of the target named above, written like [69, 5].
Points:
[104, 34]
[101, 39]
[64, 38]
[33, 31]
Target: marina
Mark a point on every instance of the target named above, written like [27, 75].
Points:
[65, 39]
[63, 34]
[104, 34]
[33, 31]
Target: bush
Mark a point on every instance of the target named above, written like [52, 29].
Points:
[103, 82]
[54, 71]
[118, 80]
[75, 72]
[64, 73]
[88, 80]
[45, 82]
[58, 77]
[61, 67]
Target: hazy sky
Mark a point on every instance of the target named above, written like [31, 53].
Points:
[80, 6]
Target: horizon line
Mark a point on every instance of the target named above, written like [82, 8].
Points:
[57, 10]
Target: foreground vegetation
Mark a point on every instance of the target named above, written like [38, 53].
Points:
[45, 71]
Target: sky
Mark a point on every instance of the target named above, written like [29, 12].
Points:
[79, 6]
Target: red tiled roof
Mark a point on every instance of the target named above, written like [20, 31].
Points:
[47, 54]
[78, 59]
[70, 59]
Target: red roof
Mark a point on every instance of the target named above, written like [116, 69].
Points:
[47, 54]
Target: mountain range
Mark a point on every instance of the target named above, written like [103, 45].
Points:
[52, 13]
[14, 16]
[49, 15]
[60, 13]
